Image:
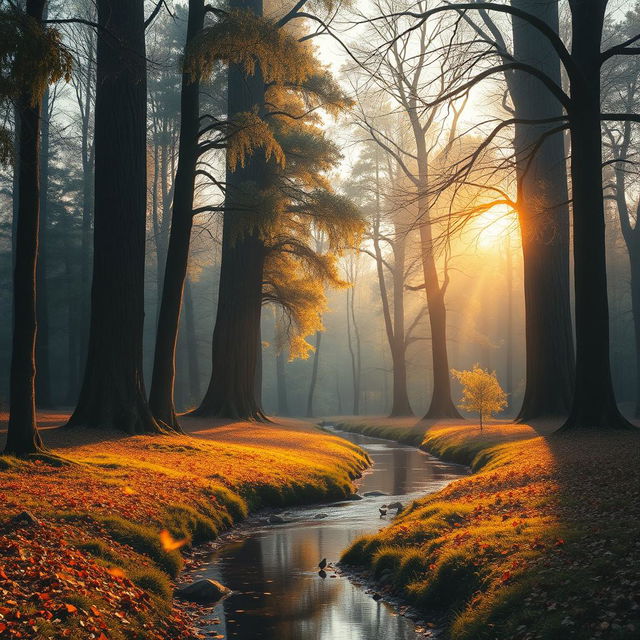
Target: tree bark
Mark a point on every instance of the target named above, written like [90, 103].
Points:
[441, 405]
[594, 405]
[192, 344]
[113, 394]
[232, 391]
[88, 157]
[43, 360]
[161, 398]
[394, 323]
[22, 433]
[543, 213]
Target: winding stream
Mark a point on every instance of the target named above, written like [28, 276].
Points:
[273, 570]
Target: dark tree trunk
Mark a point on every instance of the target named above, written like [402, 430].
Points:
[43, 361]
[113, 394]
[314, 375]
[594, 404]
[441, 405]
[232, 391]
[192, 344]
[88, 153]
[544, 222]
[508, 386]
[161, 398]
[73, 333]
[634, 259]
[400, 405]
[394, 323]
[22, 434]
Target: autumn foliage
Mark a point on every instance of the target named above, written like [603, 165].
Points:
[116, 518]
[538, 543]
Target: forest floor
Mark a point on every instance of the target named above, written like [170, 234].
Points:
[541, 541]
[114, 521]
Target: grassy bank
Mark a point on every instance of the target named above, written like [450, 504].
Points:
[113, 520]
[540, 542]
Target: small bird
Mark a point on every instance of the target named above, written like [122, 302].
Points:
[322, 564]
[383, 510]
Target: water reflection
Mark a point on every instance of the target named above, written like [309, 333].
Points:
[279, 594]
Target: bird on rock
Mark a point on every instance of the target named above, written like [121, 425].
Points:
[322, 564]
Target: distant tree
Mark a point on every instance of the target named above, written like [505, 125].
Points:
[31, 58]
[409, 70]
[594, 404]
[621, 93]
[481, 392]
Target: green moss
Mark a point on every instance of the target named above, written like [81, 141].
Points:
[151, 580]
[451, 583]
[144, 540]
[99, 549]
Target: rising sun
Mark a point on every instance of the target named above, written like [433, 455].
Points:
[494, 226]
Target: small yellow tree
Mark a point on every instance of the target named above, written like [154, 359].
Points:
[481, 392]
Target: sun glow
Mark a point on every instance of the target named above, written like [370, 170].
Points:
[494, 226]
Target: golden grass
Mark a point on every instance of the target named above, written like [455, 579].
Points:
[541, 542]
[111, 503]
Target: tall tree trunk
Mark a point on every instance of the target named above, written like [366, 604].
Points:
[22, 434]
[72, 316]
[232, 391]
[393, 322]
[43, 361]
[594, 404]
[634, 260]
[400, 405]
[88, 155]
[161, 398]
[314, 375]
[544, 222]
[192, 344]
[113, 394]
[508, 384]
[441, 405]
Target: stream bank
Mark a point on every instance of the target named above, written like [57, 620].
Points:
[272, 565]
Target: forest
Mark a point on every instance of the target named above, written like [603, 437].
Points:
[304, 289]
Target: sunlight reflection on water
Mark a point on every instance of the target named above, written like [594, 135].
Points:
[279, 594]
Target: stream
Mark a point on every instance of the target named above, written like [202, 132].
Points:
[273, 568]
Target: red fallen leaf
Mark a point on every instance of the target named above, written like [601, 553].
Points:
[505, 576]
[102, 637]
[70, 608]
[3, 626]
[3, 575]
